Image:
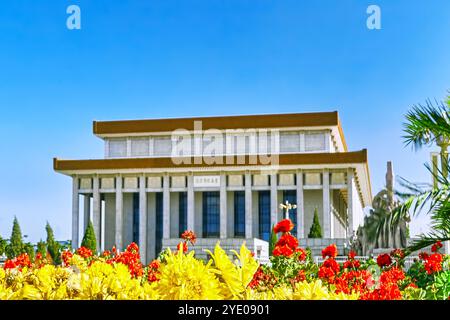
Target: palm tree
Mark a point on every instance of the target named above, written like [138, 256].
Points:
[428, 124]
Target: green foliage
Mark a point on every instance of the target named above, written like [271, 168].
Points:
[42, 248]
[53, 247]
[89, 240]
[15, 246]
[29, 249]
[273, 240]
[287, 269]
[3, 245]
[440, 289]
[316, 229]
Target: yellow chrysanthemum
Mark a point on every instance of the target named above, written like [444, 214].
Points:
[235, 278]
[183, 277]
[283, 292]
[310, 291]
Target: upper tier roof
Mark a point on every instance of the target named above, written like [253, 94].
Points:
[286, 120]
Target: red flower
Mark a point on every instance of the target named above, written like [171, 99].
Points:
[153, 273]
[329, 270]
[283, 250]
[330, 251]
[133, 248]
[388, 289]
[423, 256]
[66, 256]
[84, 252]
[19, 262]
[284, 226]
[358, 281]
[288, 240]
[433, 263]
[182, 246]
[351, 255]
[131, 258]
[435, 247]
[301, 276]
[397, 253]
[190, 236]
[384, 260]
[352, 264]
[106, 253]
[301, 254]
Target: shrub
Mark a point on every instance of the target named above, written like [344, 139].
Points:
[89, 240]
[53, 247]
[15, 246]
[316, 230]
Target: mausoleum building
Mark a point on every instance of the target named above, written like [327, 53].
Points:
[223, 177]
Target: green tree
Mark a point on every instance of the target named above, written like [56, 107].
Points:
[53, 247]
[3, 245]
[42, 248]
[316, 230]
[273, 240]
[89, 240]
[15, 246]
[29, 249]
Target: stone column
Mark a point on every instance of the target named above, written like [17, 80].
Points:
[350, 201]
[223, 206]
[190, 203]
[96, 211]
[326, 205]
[300, 206]
[142, 219]
[166, 207]
[75, 212]
[248, 207]
[119, 214]
[87, 211]
[273, 200]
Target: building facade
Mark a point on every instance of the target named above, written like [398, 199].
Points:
[223, 177]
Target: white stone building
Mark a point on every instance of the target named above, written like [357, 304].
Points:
[223, 177]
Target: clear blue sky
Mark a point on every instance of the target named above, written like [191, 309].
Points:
[145, 59]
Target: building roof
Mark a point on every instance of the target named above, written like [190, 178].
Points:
[357, 160]
[286, 120]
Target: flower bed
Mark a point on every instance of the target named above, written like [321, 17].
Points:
[179, 275]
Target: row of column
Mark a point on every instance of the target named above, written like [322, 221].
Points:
[98, 221]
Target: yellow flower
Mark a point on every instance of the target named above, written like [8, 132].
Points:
[235, 278]
[310, 291]
[283, 292]
[183, 277]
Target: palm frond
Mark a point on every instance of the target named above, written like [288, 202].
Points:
[424, 123]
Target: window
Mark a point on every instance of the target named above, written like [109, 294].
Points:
[314, 141]
[136, 218]
[159, 222]
[162, 146]
[264, 142]
[211, 214]
[182, 211]
[139, 147]
[239, 214]
[264, 214]
[118, 148]
[289, 142]
[291, 197]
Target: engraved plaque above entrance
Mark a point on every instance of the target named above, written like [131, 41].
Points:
[206, 181]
